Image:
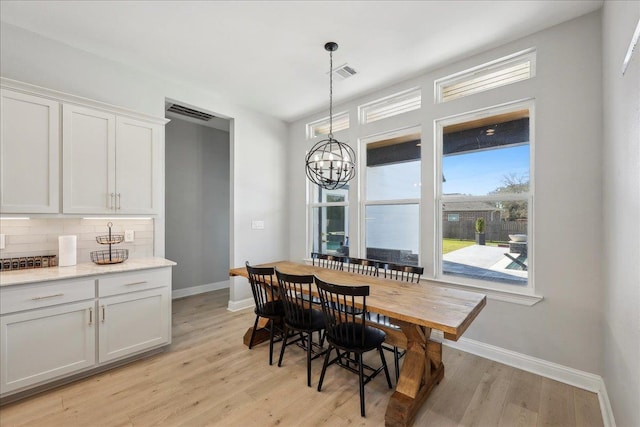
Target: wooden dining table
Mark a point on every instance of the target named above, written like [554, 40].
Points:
[415, 310]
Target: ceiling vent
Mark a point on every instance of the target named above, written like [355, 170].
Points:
[343, 72]
[189, 112]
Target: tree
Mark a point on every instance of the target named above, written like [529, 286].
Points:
[512, 183]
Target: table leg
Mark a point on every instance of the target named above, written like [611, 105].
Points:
[262, 334]
[421, 371]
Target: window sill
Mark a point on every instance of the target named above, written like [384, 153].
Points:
[494, 294]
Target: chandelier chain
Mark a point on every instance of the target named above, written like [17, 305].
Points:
[331, 94]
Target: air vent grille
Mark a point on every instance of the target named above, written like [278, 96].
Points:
[189, 112]
[343, 72]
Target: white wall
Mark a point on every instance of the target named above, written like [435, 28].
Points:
[258, 156]
[197, 203]
[621, 184]
[566, 327]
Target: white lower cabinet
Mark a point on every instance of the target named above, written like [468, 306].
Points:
[47, 343]
[50, 330]
[131, 323]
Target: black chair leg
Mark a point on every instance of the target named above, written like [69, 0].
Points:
[284, 345]
[361, 375]
[253, 333]
[309, 337]
[271, 322]
[396, 362]
[324, 367]
[386, 370]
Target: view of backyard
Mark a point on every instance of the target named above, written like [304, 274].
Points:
[450, 245]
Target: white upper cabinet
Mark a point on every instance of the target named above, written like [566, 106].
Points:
[29, 154]
[111, 157]
[138, 166]
[88, 153]
[111, 164]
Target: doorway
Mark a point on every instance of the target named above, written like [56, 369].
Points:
[197, 198]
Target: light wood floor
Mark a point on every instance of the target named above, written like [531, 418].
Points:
[208, 377]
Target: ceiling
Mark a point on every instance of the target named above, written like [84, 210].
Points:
[269, 55]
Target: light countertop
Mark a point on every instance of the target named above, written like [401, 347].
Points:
[32, 275]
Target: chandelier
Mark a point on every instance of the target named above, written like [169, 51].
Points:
[331, 164]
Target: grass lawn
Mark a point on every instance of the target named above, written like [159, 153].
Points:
[450, 245]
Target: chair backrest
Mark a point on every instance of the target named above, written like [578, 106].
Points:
[295, 293]
[367, 267]
[315, 258]
[332, 262]
[344, 309]
[405, 273]
[262, 283]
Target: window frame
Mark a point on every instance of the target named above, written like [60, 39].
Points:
[527, 55]
[362, 109]
[312, 188]
[362, 199]
[440, 199]
[309, 128]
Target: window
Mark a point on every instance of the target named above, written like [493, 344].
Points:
[504, 71]
[391, 106]
[329, 219]
[486, 180]
[391, 204]
[321, 127]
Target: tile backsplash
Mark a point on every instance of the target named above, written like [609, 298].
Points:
[39, 236]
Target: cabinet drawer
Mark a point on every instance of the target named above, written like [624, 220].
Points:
[135, 281]
[27, 297]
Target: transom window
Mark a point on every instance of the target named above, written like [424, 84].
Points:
[321, 127]
[391, 106]
[504, 71]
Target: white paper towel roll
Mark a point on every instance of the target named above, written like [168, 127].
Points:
[67, 250]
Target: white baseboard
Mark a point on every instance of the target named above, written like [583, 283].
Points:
[240, 305]
[194, 290]
[564, 374]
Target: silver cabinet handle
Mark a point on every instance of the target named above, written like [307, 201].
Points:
[90, 316]
[112, 200]
[136, 283]
[46, 296]
[103, 314]
[119, 201]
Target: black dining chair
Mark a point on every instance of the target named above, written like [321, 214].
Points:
[300, 316]
[362, 266]
[267, 302]
[345, 309]
[404, 273]
[333, 262]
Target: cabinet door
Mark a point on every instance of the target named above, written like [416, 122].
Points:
[138, 166]
[29, 147]
[134, 322]
[43, 344]
[88, 155]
